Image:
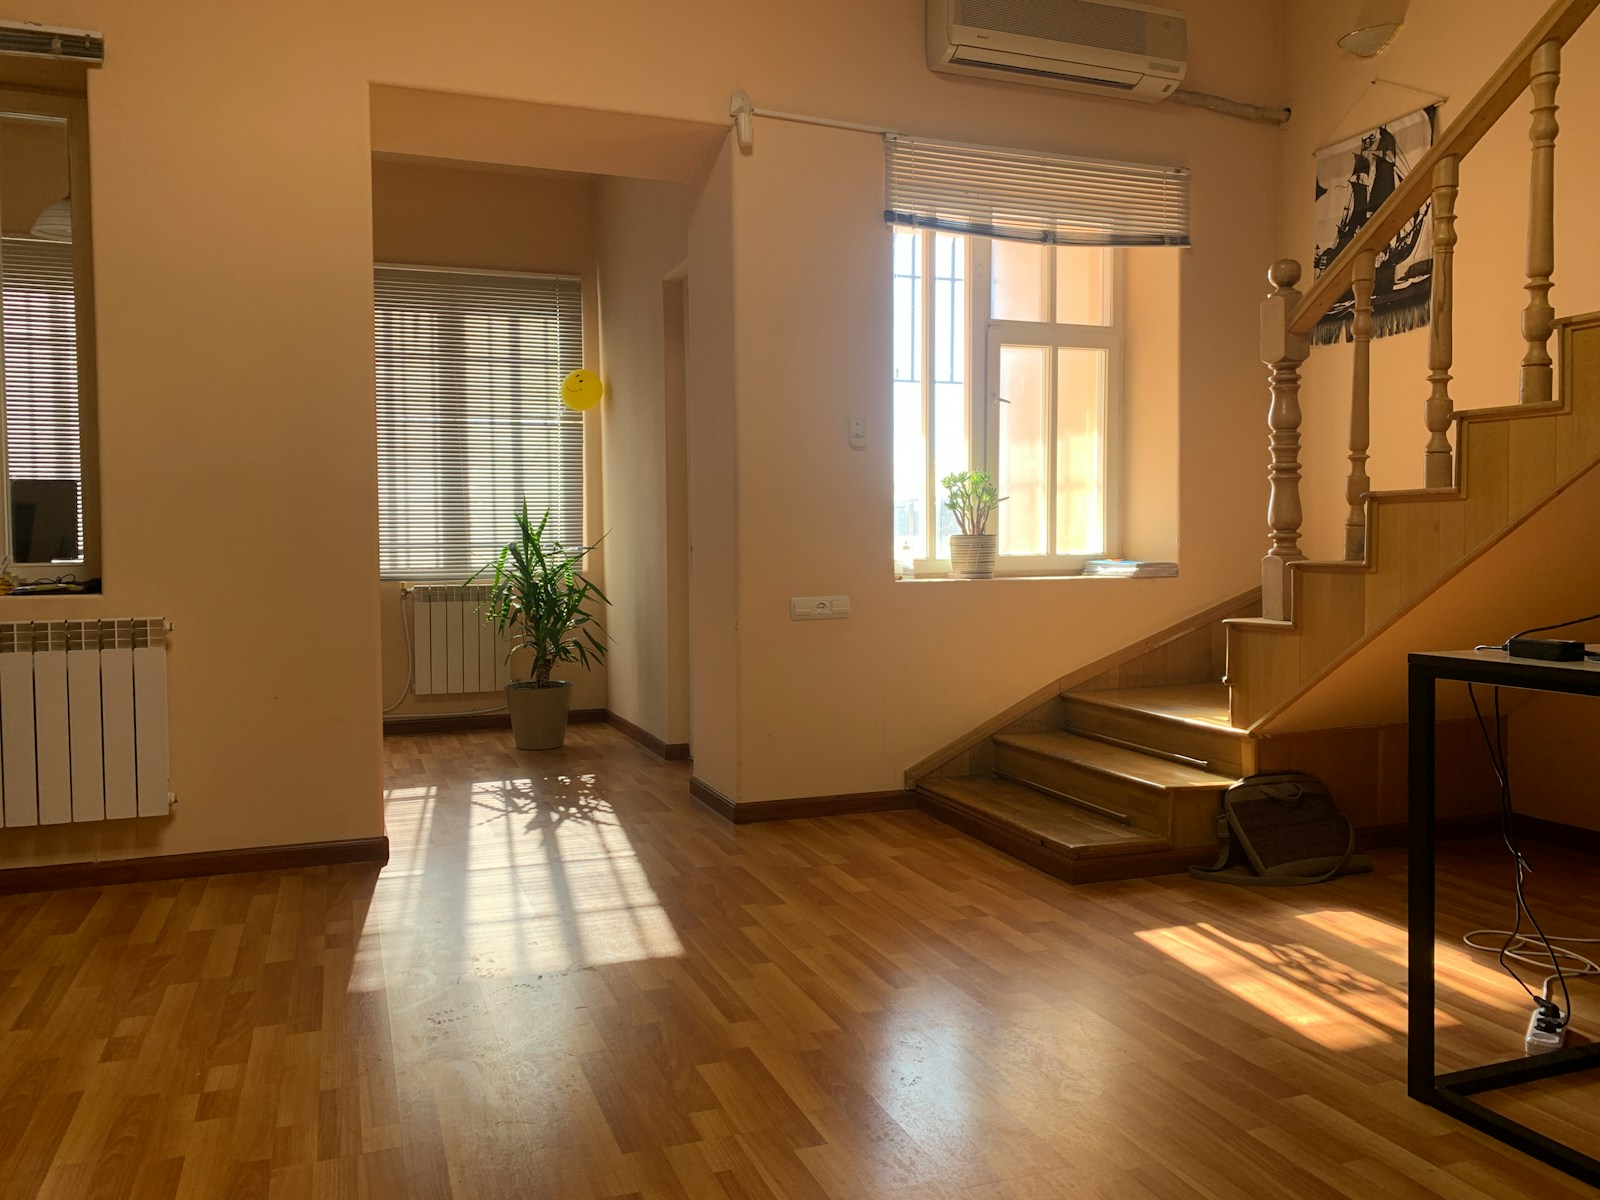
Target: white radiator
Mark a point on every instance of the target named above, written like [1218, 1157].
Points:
[454, 651]
[83, 721]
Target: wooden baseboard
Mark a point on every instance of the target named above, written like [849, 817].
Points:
[446, 722]
[671, 751]
[373, 850]
[1572, 837]
[799, 806]
[1378, 837]
[459, 722]
[702, 791]
[1097, 869]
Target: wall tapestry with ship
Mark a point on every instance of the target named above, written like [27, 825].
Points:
[1354, 178]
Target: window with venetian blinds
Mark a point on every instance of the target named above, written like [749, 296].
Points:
[470, 419]
[1033, 196]
[43, 459]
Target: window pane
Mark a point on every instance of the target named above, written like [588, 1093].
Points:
[39, 316]
[910, 438]
[470, 420]
[1080, 451]
[1018, 272]
[1024, 476]
[950, 375]
[950, 454]
[1081, 285]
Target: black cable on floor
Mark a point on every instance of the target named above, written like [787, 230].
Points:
[1497, 758]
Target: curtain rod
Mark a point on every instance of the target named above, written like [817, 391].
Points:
[742, 111]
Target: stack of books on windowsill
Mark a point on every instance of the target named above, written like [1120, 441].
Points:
[1128, 568]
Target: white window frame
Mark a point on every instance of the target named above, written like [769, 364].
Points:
[984, 338]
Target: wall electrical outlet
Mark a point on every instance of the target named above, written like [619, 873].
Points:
[819, 608]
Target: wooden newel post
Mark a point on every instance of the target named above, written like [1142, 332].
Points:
[1283, 352]
[1437, 471]
[1538, 319]
[1363, 277]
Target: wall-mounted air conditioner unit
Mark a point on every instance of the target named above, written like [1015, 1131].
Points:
[1102, 46]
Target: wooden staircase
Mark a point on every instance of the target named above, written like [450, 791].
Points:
[1509, 462]
[1116, 774]
[1118, 771]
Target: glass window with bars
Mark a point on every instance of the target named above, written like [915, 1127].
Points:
[1006, 359]
[470, 419]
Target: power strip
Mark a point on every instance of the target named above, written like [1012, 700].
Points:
[1545, 1032]
[1548, 649]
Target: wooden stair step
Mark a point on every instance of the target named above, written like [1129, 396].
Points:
[1190, 719]
[1129, 768]
[1164, 797]
[1043, 821]
[1204, 704]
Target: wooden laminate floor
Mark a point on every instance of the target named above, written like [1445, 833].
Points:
[573, 982]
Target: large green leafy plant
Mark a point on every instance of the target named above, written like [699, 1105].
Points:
[539, 599]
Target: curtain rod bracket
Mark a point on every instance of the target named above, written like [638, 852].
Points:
[744, 126]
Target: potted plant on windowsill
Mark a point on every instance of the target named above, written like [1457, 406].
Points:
[539, 601]
[972, 498]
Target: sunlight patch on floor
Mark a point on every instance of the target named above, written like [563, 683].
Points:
[1333, 1003]
[531, 874]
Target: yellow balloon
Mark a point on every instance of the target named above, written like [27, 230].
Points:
[581, 390]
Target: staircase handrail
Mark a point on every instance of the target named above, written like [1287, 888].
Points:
[1288, 318]
[1491, 103]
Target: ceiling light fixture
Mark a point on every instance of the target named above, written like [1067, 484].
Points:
[55, 222]
[1370, 40]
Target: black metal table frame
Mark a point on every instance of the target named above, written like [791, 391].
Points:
[1452, 1093]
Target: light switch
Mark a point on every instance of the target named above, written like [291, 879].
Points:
[858, 433]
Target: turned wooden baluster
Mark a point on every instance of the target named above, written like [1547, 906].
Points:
[1436, 466]
[1283, 351]
[1363, 274]
[1539, 318]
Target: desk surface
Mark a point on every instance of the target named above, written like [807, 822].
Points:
[1499, 668]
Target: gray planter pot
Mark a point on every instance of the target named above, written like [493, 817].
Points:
[539, 714]
[972, 555]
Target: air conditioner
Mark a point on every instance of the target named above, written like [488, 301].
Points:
[1102, 46]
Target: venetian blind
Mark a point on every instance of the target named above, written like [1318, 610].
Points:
[43, 456]
[470, 419]
[1030, 196]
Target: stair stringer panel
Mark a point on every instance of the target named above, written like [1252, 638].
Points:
[1510, 463]
[1548, 570]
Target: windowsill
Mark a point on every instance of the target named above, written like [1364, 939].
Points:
[1058, 578]
[53, 595]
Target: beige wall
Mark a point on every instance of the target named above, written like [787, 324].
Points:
[643, 237]
[442, 216]
[234, 221]
[713, 324]
[844, 706]
[1550, 746]
[1449, 47]
[1151, 299]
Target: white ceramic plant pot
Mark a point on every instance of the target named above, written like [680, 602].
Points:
[539, 713]
[972, 555]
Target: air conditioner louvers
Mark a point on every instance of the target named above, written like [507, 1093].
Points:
[1111, 47]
